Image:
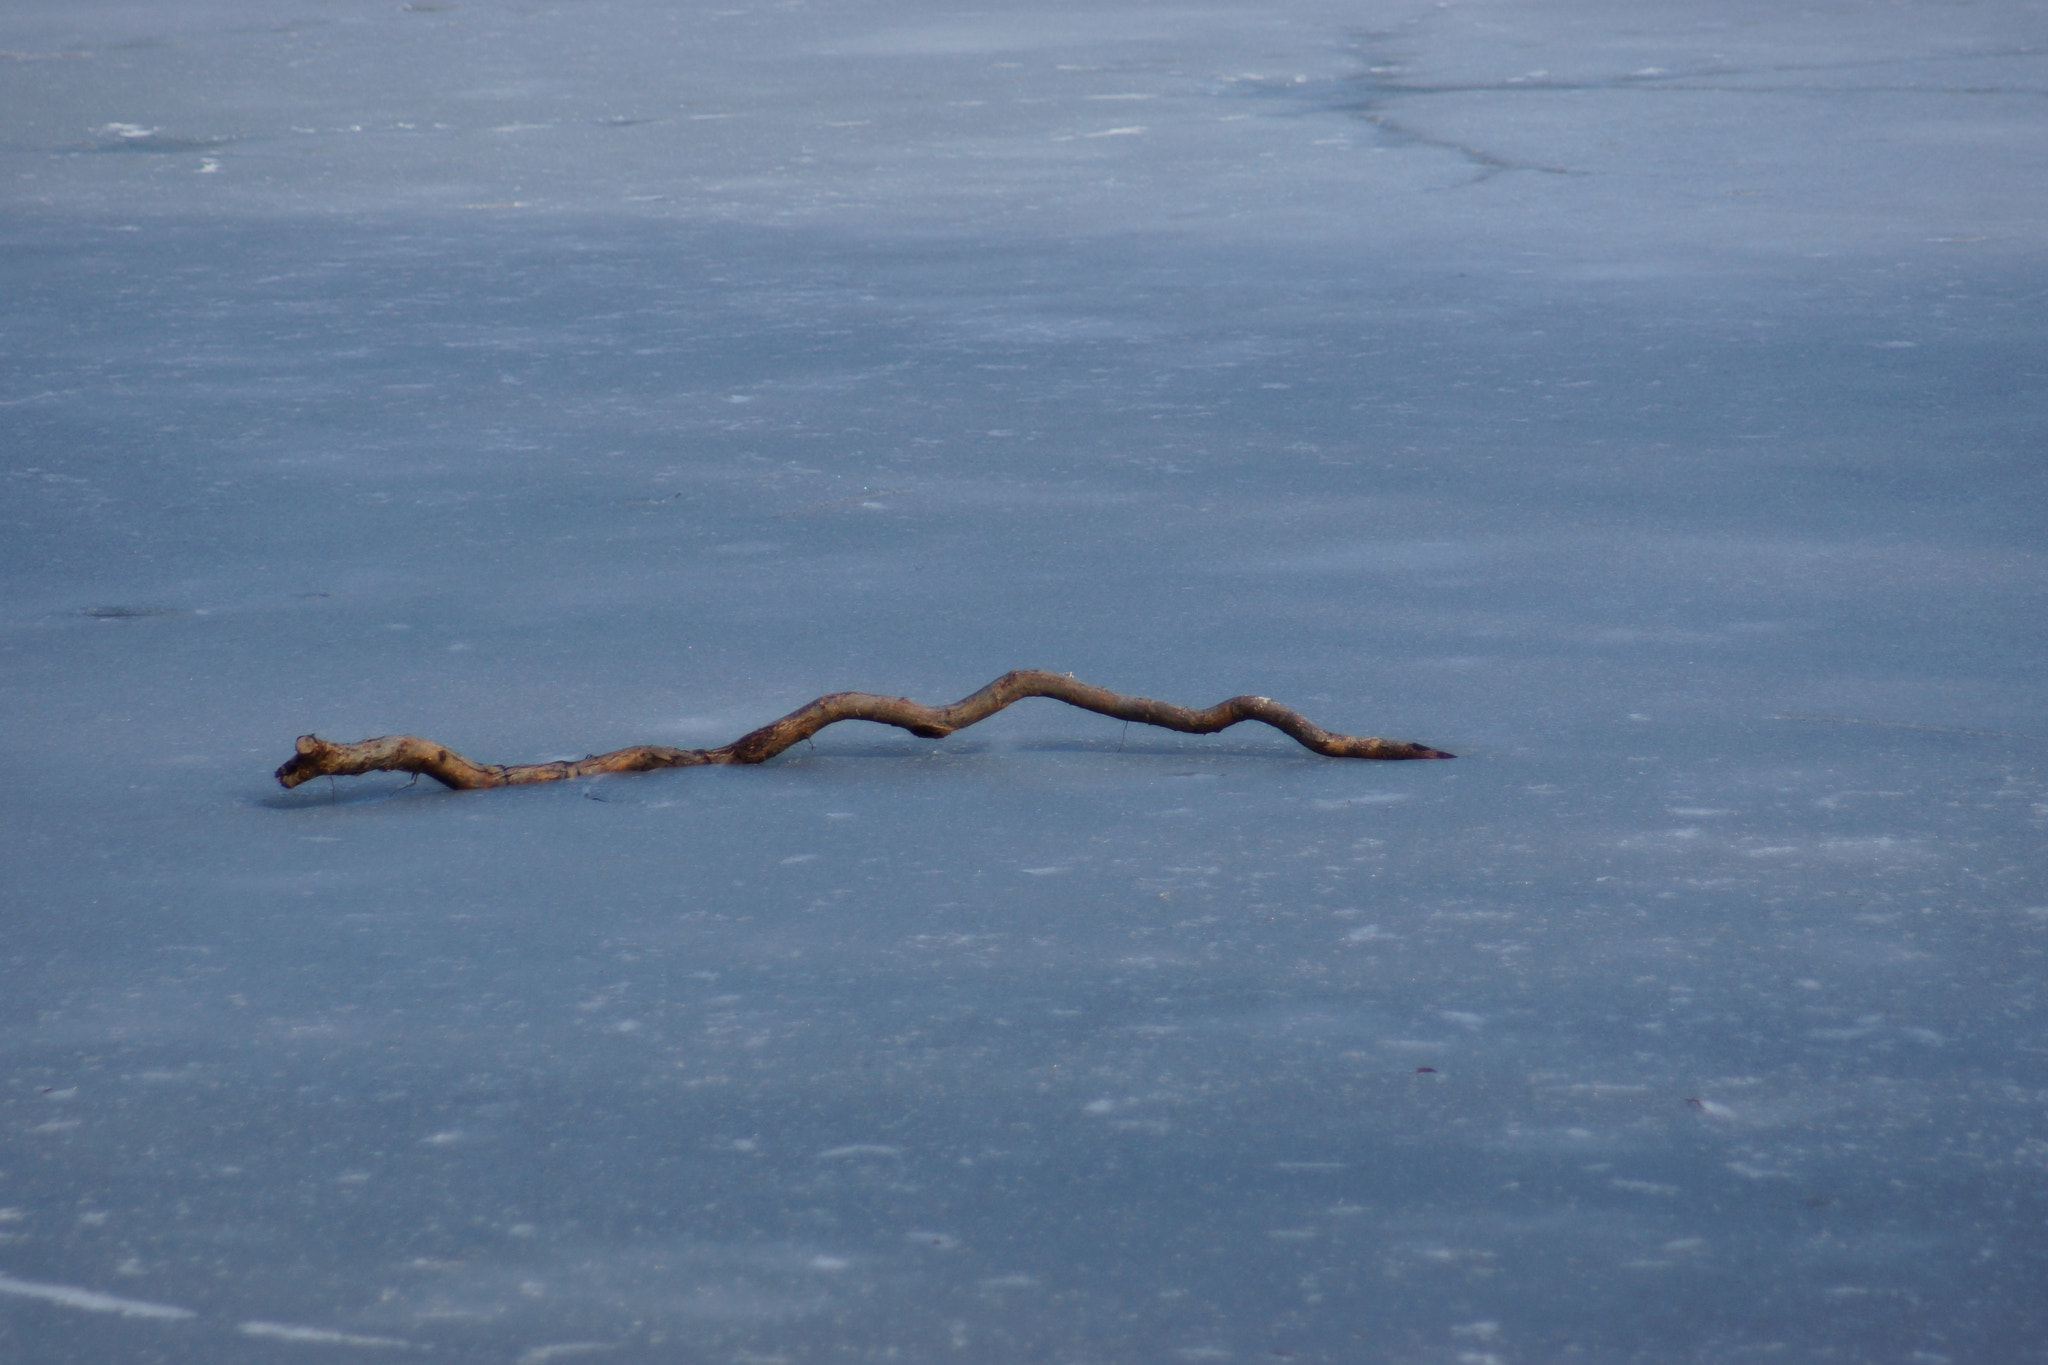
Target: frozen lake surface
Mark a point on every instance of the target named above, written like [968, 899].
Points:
[1643, 402]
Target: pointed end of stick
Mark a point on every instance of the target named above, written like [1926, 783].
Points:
[1384, 749]
[1395, 749]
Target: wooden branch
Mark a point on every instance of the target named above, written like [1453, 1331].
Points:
[317, 757]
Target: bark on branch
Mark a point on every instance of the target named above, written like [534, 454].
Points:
[317, 757]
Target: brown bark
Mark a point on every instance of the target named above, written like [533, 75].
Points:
[317, 757]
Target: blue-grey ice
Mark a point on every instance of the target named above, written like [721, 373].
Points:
[1643, 402]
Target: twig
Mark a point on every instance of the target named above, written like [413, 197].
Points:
[411, 754]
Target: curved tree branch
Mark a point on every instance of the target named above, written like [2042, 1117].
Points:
[317, 757]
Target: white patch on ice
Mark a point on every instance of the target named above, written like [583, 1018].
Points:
[1465, 1017]
[1642, 1186]
[793, 859]
[859, 1149]
[91, 1300]
[829, 1263]
[1118, 132]
[1099, 1107]
[1043, 871]
[320, 1336]
[541, 1355]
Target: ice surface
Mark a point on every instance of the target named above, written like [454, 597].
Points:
[1643, 402]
